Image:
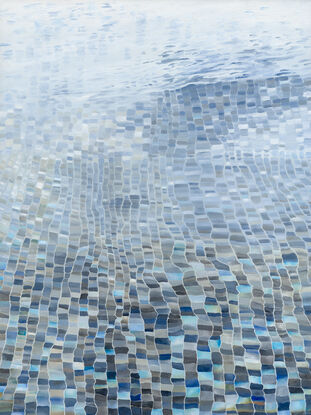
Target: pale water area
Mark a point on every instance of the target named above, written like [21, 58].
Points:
[129, 49]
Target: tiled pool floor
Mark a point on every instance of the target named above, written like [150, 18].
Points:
[155, 256]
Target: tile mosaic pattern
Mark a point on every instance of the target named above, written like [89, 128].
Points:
[156, 259]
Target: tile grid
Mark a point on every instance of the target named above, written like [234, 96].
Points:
[156, 260]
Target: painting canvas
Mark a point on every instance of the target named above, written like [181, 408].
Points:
[155, 207]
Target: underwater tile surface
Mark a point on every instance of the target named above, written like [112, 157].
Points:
[155, 208]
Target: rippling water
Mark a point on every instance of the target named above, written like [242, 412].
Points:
[155, 208]
[131, 48]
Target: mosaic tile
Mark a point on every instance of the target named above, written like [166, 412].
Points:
[155, 255]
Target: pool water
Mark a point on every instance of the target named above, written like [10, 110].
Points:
[155, 207]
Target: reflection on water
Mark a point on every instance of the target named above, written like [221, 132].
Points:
[131, 48]
[155, 208]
